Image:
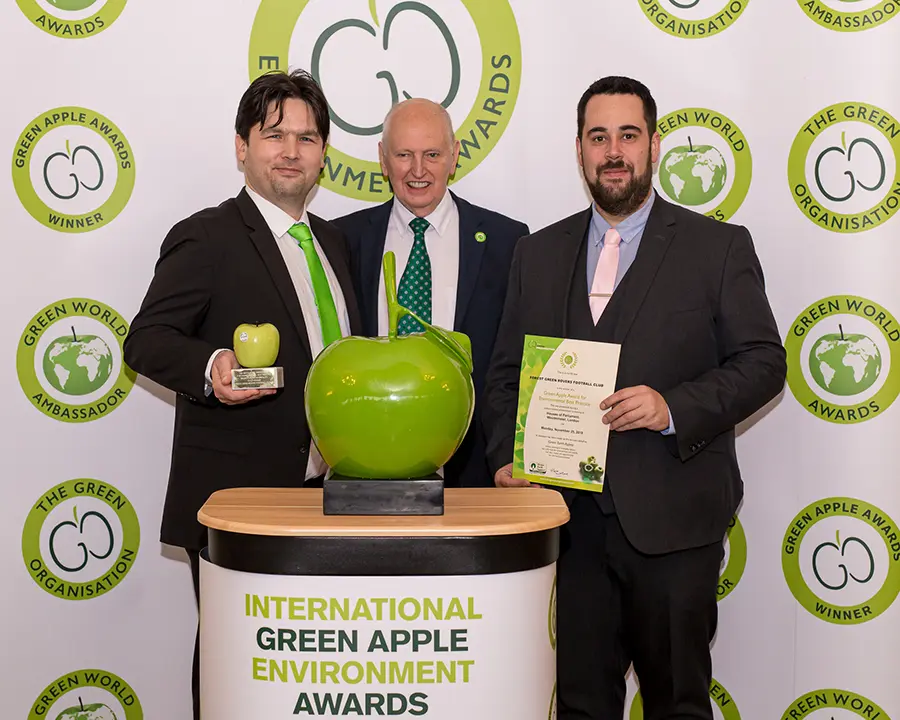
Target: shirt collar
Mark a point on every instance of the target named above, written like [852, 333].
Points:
[630, 227]
[278, 220]
[439, 218]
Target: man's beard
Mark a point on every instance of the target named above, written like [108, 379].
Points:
[621, 199]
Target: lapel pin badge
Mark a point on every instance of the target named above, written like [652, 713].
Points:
[480, 236]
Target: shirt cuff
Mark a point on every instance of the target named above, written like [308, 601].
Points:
[671, 429]
[207, 386]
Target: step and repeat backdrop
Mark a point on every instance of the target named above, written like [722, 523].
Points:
[780, 115]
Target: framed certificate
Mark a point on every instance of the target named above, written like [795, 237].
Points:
[560, 436]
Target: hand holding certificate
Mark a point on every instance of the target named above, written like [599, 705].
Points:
[561, 438]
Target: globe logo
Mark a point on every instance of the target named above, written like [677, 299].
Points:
[92, 711]
[72, 4]
[78, 365]
[845, 364]
[693, 175]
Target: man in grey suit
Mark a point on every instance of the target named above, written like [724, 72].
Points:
[684, 296]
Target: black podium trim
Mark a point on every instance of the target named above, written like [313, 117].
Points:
[379, 556]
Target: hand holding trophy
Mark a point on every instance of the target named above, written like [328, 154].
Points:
[256, 349]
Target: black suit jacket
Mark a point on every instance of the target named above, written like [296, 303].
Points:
[217, 269]
[481, 289]
[694, 323]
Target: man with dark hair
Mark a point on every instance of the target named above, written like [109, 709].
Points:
[700, 352]
[453, 257]
[258, 257]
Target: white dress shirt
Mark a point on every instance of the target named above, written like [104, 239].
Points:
[442, 244]
[279, 223]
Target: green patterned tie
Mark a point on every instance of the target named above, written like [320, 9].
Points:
[414, 291]
[328, 317]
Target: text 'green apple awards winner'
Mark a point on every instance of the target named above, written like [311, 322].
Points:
[256, 348]
[560, 436]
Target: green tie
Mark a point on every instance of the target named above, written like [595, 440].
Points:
[414, 291]
[331, 328]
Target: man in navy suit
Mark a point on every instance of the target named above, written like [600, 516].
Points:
[453, 258]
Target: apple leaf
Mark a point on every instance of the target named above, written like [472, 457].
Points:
[844, 140]
[75, 513]
[837, 535]
[68, 152]
[373, 11]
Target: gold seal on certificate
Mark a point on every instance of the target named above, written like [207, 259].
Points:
[256, 347]
[560, 435]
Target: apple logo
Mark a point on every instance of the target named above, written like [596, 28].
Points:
[836, 551]
[693, 174]
[395, 11]
[94, 711]
[78, 365]
[69, 536]
[72, 4]
[845, 364]
[847, 152]
[392, 407]
[77, 183]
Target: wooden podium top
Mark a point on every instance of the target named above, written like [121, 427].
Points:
[297, 512]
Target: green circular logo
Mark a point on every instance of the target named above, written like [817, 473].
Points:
[810, 703]
[70, 360]
[735, 559]
[366, 65]
[687, 19]
[841, 560]
[551, 615]
[843, 170]
[839, 353]
[705, 162]
[87, 695]
[723, 704]
[80, 539]
[72, 19]
[73, 170]
[828, 15]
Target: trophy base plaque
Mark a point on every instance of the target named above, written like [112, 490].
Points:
[257, 378]
[360, 496]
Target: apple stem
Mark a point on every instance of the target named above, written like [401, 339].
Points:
[74, 336]
[81, 703]
[842, 331]
[390, 286]
[690, 144]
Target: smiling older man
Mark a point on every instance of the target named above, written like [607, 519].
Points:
[453, 257]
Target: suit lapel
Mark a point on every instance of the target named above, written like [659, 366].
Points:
[567, 251]
[337, 258]
[655, 242]
[262, 239]
[471, 253]
[371, 254]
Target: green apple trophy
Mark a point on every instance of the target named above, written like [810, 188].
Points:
[256, 348]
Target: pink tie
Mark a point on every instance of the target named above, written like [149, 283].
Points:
[605, 274]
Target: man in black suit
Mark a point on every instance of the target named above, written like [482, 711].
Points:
[700, 351]
[258, 257]
[453, 257]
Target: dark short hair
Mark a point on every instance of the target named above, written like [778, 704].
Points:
[615, 85]
[276, 87]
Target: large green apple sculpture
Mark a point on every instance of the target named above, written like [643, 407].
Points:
[391, 407]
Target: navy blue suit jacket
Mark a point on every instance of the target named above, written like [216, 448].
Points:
[481, 289]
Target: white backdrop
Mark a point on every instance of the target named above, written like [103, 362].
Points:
[798, 98]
